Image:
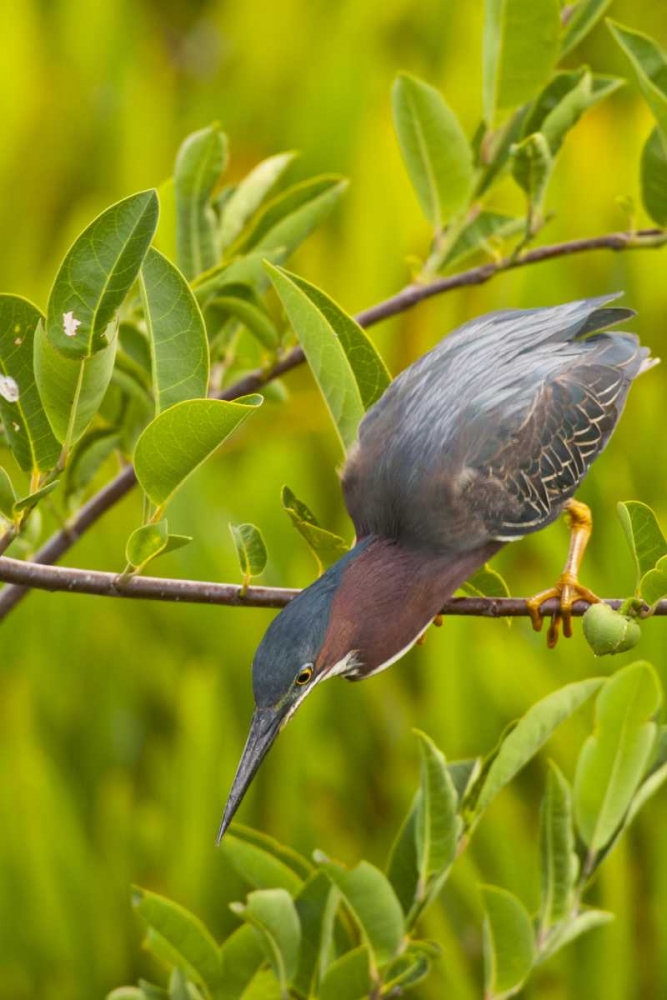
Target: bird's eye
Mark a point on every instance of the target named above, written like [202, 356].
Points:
[304, 675]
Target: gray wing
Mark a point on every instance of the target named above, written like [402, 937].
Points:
[492, 431]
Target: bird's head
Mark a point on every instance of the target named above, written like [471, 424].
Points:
[301, 647]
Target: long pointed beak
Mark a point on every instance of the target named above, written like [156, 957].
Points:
[264, 728]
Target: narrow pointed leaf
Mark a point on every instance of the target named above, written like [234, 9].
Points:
[88, 458]
[521, 42]
[291, 217]
[244, 270]
[654, 177]
[373, 904]
[272, 913]
[529, 735]
[403, 862]
[299, 865]
[349, 371]
[181, 438]
[438, 826]
[199, 164]
[326, 546]
[645, 538]
[615, 756]
[177, 334]
[27, 427]
[509, 947]
[558, 108]
[178, 989]
[184, 932]
[584, 17]
[649, 62]
[71, 390]
[239, 302]
[349, 977]
[434, 147]
[96, 275]
[32, 499]
[250, 193]
[313, 903]
[559, 864]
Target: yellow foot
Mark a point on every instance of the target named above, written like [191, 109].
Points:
[567, 589]
[437, 621]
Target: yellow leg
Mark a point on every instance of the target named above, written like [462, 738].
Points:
[567, 589]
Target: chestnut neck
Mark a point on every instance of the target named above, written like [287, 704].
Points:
[387, 596]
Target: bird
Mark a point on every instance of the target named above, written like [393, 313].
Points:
[481, 441]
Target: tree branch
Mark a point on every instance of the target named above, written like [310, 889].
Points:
[153, 588]
[404, 300]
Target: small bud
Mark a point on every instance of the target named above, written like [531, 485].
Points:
[608, 632]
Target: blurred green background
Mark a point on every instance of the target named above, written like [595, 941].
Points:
[121, 723]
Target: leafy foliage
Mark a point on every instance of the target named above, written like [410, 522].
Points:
[295, 909]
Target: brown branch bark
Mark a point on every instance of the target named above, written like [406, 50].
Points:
[151, 588]
[404, 300]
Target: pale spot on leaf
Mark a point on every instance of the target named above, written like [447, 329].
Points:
[70, 324]
[9, 389]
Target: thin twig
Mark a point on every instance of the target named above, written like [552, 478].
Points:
[153, 588]
[404, 300]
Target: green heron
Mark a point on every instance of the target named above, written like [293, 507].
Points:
[481, 441]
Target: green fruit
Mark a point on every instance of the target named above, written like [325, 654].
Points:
[608, 632]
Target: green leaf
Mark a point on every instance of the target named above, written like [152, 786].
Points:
[249, 194]
[326, 547]
[434, 147]
[480, 234]
[403, 863]
[654, 177]
[315, 903]
[463, 773]
[486, 582]
[178, 987]
[71, 391]
[146, 543]
[585, 921]
[531, 168]
[509, 948]
[521, 41]
[406, 971]
[300, 866]
[564, 100]
[240, 302]
[650, 65]
[653, 586]
[7, 495]
[437, 827]
[273, 914]
[349, 977]
[349, 371]
[495, 150]
[257, 867]
[374, 906]
[178, 342]
[250, 549]
[96, 275]
[291, 217]
[181, 438]
[645, 538]
[241, 955]
[25, 422]
[527, 736]
[247, 270]
[32, 499]
[583, 18]
[559, 862]
[200, 162]
[614, 758]
[126, 993]
[183, 932]
[88, 458]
